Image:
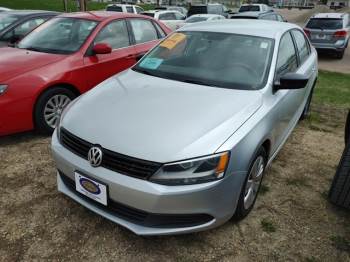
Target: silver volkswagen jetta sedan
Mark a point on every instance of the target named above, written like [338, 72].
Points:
[179, 142]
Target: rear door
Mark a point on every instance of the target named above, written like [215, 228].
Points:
[145, 35]
[100, 67]
[169, 18]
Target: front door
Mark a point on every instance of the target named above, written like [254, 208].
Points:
[102, 66]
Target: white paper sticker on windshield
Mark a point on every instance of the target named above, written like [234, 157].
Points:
[264, 45]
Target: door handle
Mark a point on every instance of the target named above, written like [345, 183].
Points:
[130, 56]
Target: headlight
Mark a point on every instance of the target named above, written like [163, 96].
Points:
[193, 171]
[3, 89]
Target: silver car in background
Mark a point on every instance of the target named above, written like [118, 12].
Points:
[179, 143]
[329, 32]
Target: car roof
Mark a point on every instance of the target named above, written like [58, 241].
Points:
[29, 12]
[261, 28]
[99, 15]
[160, 11]
[329, 15]
[206, 4]
[252, 13]
[205, 15]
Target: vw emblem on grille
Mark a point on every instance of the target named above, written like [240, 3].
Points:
[95, 156]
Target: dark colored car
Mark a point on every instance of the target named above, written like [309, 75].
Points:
[14, 25]
[217, 9]
[267, 15]
[339, 193]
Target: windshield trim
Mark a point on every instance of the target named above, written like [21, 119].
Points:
[62, 52]
[175, 77]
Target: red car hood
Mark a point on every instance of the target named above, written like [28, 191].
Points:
[15, 61]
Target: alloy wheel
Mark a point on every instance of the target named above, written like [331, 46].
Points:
[53, 109]
[254, 181]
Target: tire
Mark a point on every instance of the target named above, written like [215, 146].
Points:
[244, 207]
[339, 193]
[340, 54]
[44, 108]
[347, 130]
[306, 112]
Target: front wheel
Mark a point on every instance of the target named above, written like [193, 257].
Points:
[49, 107]
[251, 185]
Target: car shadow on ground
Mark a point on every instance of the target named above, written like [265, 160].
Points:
[20, 138]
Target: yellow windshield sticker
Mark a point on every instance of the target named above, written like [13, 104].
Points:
[173, 40]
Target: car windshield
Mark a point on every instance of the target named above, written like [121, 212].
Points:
[325, 23]
[195, 19]
[214, 59]
[246, 8]
[59, 36]
[6, 20]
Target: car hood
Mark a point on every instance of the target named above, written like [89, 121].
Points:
[15, 61]
[159, 119]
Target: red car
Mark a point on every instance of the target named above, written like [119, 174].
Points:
[64, 58]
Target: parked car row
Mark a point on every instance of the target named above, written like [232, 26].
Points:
[176, 131]
[65, 57]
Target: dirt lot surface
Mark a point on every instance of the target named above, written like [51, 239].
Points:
[292, 220]
[327, 62]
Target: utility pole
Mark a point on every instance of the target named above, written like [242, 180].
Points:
[82, 5]
[65, 5]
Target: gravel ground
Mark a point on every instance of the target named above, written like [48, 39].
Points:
[292, 220]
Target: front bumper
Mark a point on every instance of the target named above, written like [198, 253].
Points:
[216, 200]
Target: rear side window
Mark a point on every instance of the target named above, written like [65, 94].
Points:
[129, 9]
[160, 30]
[114, 8]
[302, 45]
[215, 9]
[325, 23]
[115, 34]
[144, 31]
[287, 59]
[139, 10]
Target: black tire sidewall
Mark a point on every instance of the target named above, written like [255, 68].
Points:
[241, 211]
[40, 124]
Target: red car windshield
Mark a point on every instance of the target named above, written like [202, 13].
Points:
[59, 36]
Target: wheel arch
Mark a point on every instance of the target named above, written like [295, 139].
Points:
[70, 87]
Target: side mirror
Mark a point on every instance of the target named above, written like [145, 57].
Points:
[291, 81]
[101, 49]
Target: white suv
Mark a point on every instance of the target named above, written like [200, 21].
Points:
[134, 9]
[173, 19]
[254, 8]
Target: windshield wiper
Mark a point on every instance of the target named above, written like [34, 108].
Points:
[144, 71]
[31, 48]
[196, 82]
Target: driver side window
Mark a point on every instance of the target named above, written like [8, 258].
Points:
[115, 34]
[287, 58]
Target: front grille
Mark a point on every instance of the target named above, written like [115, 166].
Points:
[111, 160]
[141, 217]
